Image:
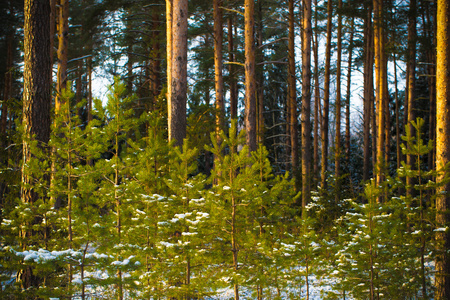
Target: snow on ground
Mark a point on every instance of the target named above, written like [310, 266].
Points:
[317, 291]
[319, 287]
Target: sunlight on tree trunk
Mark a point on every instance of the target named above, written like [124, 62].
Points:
[218, 67]
[250, 79]
[443, 150]
[380, 93]
[178, 70]
[63, 37]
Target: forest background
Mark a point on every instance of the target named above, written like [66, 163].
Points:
[224, 159]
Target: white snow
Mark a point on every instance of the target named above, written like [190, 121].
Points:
[189, 233]
[441, 229]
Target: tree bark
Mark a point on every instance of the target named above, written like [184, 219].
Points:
[411, 87]
[337, 144]
[89, 98]
[169, 20]
[60, 101]
[443, 150]
[368, 70]
[405, 109]
[373, 120]
[178, 97]
[397, 115]
[250, 80]
[52, 30]
[306, 105]
[218, 67]
[326, 97]
[37, 76]
[380, 93]
[259, 73]
[117, 199]
[386, 110]
[61, 77]
[36, 100]
[63, 39]
[431, 58]
[292, 96]
[316, 99]
[397, 107]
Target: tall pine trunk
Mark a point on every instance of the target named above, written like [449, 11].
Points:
[259, 73]
[386, 110]
[178, 83]
[63, 39]
[380, 93]
[326, 97]
[218, 67]
[37, 87]
[397, 114]
[292, 96]
[61, 77]
[306, 105]
[169, 17]
[117, 199]
[36, 103]
[431, 58]
[337, 144]
[89, 98]
[411, 87]
[250, 80]
[443, 150]
[316, 98]
[368, 94]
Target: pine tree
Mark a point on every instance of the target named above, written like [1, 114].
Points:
[151, 169]
[244, 207]
[395, 236]
[121, 127]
